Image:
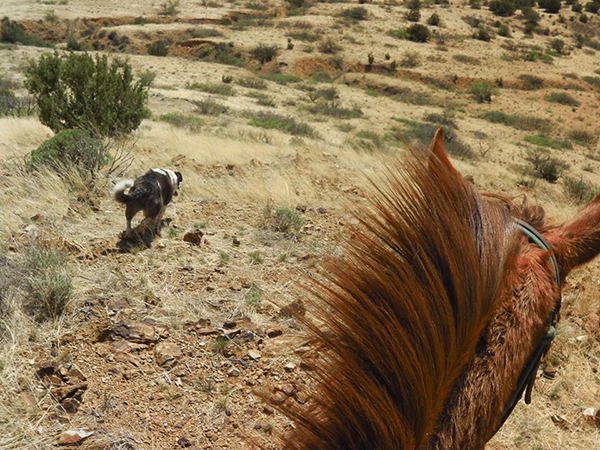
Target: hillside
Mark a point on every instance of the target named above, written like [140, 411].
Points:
[277, 114]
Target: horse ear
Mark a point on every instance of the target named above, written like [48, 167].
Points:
[437, 152]
[578, 241]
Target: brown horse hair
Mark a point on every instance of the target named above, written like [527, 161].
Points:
[428, 319]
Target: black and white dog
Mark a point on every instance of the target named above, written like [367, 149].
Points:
[151, 193]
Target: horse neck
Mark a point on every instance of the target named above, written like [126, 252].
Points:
[475, 408]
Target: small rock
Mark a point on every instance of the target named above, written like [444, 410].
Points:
[211, 287]
[228, 324]
[288, 389]
[279, 398]
[268, 410]
[301, 397]
[46, 368]
[193, 237]
[234, 372]
[253, 354]
[289, 367]
[236, 286]
[184, 442]
[167, 353]
[274, 332]
[236, 242]
[74, 437]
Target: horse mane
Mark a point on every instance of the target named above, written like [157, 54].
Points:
[401, 313]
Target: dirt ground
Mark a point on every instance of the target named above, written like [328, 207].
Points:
[166, 346]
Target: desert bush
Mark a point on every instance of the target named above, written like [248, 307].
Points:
[504, 8]
[333, 109]
[545, 166]
[531, 16]
[13, 33]
[217, 89]
[517, 121]
[558, 45]
[414, 11]
[10, 104]
[475, 4]
[286, 220]
[48, 284]
[467, 59]
[271, 121]
[264, 53]
[482, 34]
[75, 148]
[482, 91]
[504, 30]
[80, 91]
[281, 78]
[210, 107]
[192, 123]
[305, 36]
[531, 82]
[434, 20]
[418, 33]
[169, 8]
[422, 133]
[410, 59]
[545, 141]
[579, 190]
[577, 7]
[357, 13]
[252, 83]
[562, 98]
[593, 6]
[74, 45]
[157, 48]
[222, 53]
[595, 81]
[583, 137]
[550, 6]
[329, 46]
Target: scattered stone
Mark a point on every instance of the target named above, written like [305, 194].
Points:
[234, 372]
[288, 389]
[71, 405]
[184, 442]
[289, 367]
[193, 237]
[141, 332]
[279, 398]
[167, 353]
[236, 286]
[70, 391]
[549, 373]
[72, 437]
[253, 354]
[211, 287]
[268, 410]
[228, 324]
[46, 368]
[236, 242]
[301, 397]
[274, 332]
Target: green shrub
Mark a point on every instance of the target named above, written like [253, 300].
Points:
[504, 8]
[80, 91]
[13, 33]
[579, 190]
[158, 48]
[531, 82]
[422, 133]
[328, 46]
[72, 147]
[545, 166]
[504, 30]
[519, 122]
[48, 284]
[418, 33]
[593, 6]
[531, 16]
[281, 78]
[74, 45]
[550, 6]
[333, 109]
[482, 91]
[179, 120]
[252, 83]
[288, 125]
[410, 60]
[217, 89]
[209, 107]
[544, 141]
[286, 220]
[577, 7]
[558, 45]
[563, 98]
[357, 13]
[169, 8]
[482, 34]
[582, 137]
[222, 53]
[264, 53]
[10, 104]
[592, 80]
[467, 59]
[434, 20]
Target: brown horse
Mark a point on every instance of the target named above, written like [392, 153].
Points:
[438, 314]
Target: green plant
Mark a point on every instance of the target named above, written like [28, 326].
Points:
[222, 53]
[217, 89]
[482, 34]
[252, 83]
[329, 46]
[255, 257]
[519, 122]
[10, 104]
[179, 120]
[584, 138]
[157, 48]
[467, 59]
[544, 141]
[169, 8]
[254, 294]
[504, 8]
[48, 284]
[579, 190]
[357, 13]
[563, 98]
[286, 220]
[281, 78]
[224, 258]
[74, 45]
[51, 17]
[504, 30]
[418, 33]
[410, 60]
[80, 91]
[13, 33]
[482, 91]
[545, 166]
[333, 109]
[434, 20]
[593, 6]
[595, 81]
[558, 45]
[531, 82]
[288, 125]
[531, 16]
[550, 6]
[264, 53]
[72, 147]
[210, 107]
[414, 11]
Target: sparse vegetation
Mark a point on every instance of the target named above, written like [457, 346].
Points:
[271, 121]
[482, 91]
[583, 138]
[286, 220]
[157, 48]
[281, 78]
[544, 141]
[186, 121]
[225, 90]
[80, 91]
[264, 53]
[579, 190]
[13, 33]
[418, 33]
[210, 107]
[169, 8]
[531, 82]
[356, 13]
[252, 83]
[563, 98]
[520, 122]
[545, 166]
[328, 46]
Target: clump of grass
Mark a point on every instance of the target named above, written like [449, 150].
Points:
[286, 220]
[562, 98]
[281, 78]
[218, 89]
[410, 60]
[358, 13]
[544, 141]
[519, 122]
[224, 258]
[252, 83]
[179, 120]
[255, 257]
[222, 53]
[467, 59]
[304, 36]
[48, 284]
[158, 48]
[545, 166]
[329, 46]
[271, 121]
[595, 81]
[254, 294]
[583, 138]
[370, 141]
[579, 190]
[264, 53]
[531, 82]
[210, 107]
[482, 91]
[333, 109]
[13, 33]
[169, 8]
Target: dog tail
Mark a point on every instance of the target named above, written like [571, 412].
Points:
[119, 190]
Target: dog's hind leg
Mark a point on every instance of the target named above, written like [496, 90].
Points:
[130, 211]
